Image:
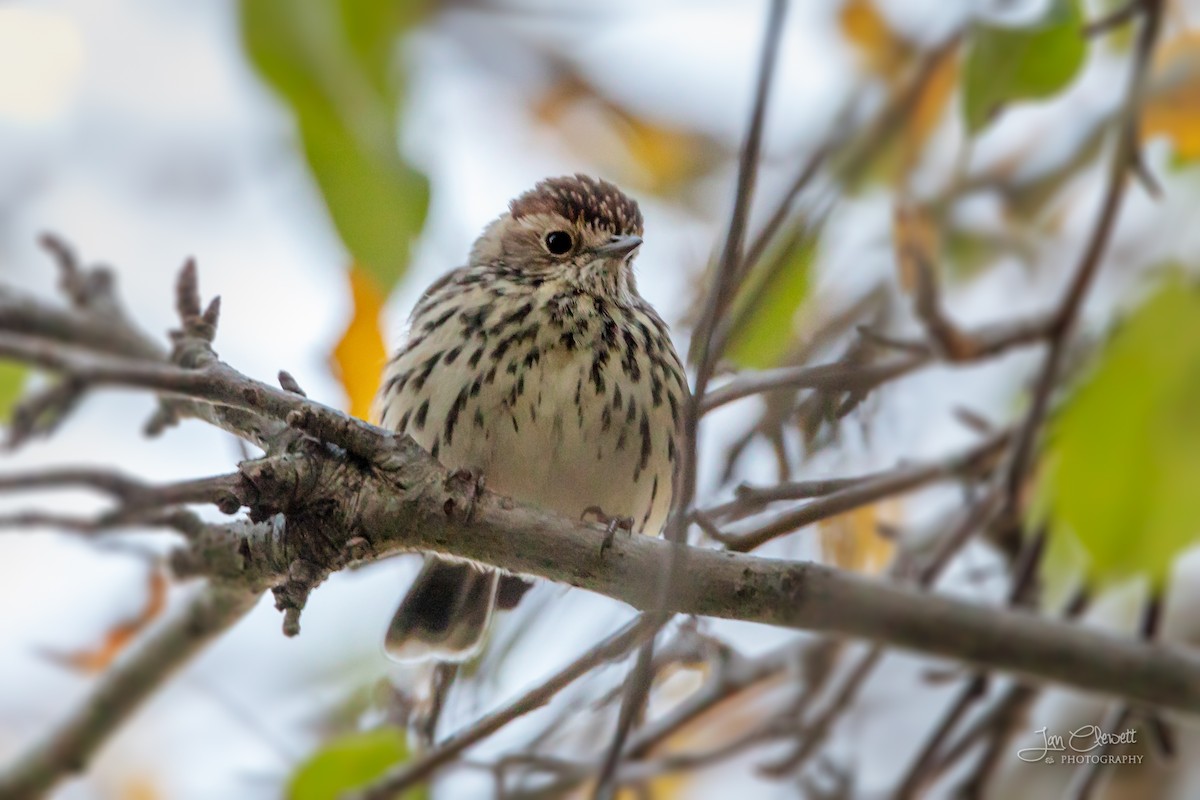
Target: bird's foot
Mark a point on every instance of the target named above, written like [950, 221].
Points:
[613, 524]
[471, 483]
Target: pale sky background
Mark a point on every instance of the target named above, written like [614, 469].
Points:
[137, 130]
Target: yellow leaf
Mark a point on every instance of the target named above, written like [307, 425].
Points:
[666, 157]
[931, 102]
[880, 48]
[632, 149]
[852, 540]
[140, 787]
[361, 353]
[888, 149]
[1172, 108]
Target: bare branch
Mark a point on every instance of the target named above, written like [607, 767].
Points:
[326, 511]
[420, 769]
[837, 495]
[1125, 154]
[887, 484]
[131, 492]
[724, 285]
[41, 413]
[214, 383]
[407, 502]
[67, 750]
[814, 734]
[825, 377]
[411, 507]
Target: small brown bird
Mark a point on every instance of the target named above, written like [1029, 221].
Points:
[539, 367]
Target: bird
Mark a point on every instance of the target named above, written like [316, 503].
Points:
[540, 369]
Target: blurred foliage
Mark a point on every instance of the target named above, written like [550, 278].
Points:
[360, 354]
[855, 540]
[1122, 467]
[875, 43]
[94, 660]
[930, 104]
[12, 385]
[950, 249]
[1033, 200]
[349, 762]
[140, 787]
[1173, 107]
[630, 149]
[1006, 64]
[968, 253]
[333, 62]
[916, 241]
[888, 150]
[762, 320]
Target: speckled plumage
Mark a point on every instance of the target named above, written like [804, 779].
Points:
[547, 374]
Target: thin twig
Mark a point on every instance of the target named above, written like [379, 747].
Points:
[734, 676]
[723, 288]
[987, 342]
[637, 690]
[968, 463]
[893, 482]
[936, 757]
[825, 377]
[814, 733]
[214, 383]
[1089, 777]
[133, 494]
[420, 769]
[1125, 154]
[69, 747]
[1122, 15]
[915, 780]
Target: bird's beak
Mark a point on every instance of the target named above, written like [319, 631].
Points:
[619, 246]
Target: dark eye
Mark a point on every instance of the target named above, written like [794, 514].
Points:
[558, 242]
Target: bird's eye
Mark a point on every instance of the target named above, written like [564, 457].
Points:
[558, 242]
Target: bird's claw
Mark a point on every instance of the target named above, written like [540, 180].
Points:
[613, 524]
[473, 486]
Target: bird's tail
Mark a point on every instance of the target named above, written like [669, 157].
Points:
[445, 614]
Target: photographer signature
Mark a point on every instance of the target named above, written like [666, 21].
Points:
[1081, 740]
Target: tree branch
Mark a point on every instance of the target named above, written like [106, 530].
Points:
[412, 505]
[375, 494]
[863, 492]
[404, 501]
[420, 769]
[724, 286]
[214, 609]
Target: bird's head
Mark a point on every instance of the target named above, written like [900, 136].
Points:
[576, 228]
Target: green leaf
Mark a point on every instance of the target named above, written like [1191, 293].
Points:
[12, 384]
[764, 313]
[333, 62]
[348, 763]
[1030, 63]
[1121, 475]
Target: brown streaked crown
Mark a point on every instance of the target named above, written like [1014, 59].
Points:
[582, 199]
